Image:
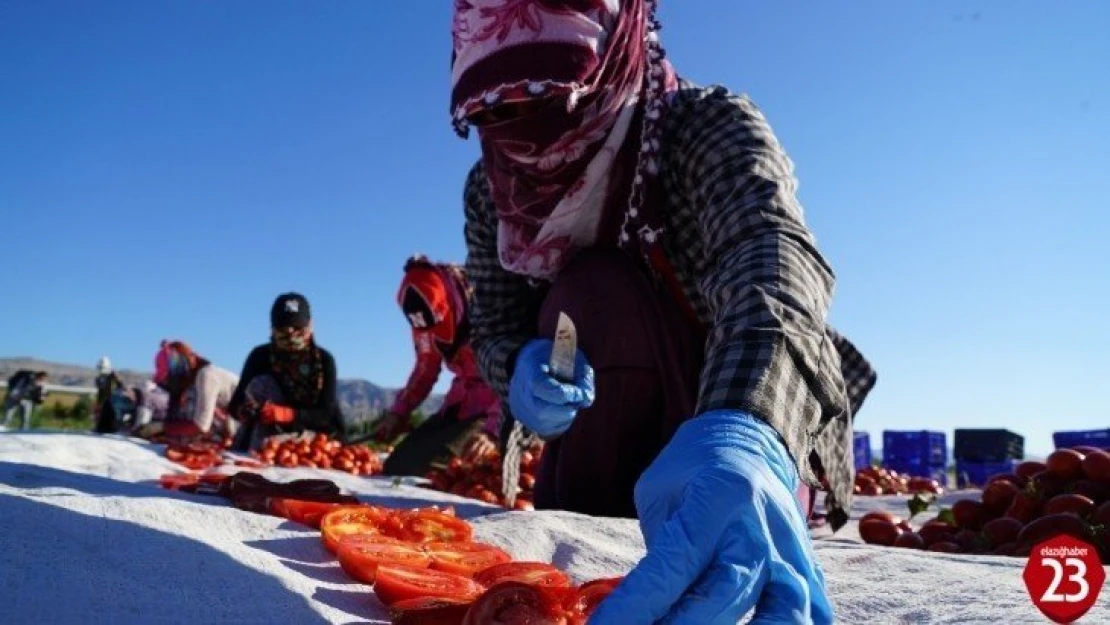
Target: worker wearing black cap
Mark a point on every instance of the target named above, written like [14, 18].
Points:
[289, 384]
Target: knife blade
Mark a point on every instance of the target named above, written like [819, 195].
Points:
[564, 349]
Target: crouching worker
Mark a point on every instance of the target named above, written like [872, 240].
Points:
[661, 216]
[199, 393]
[289, 384]
[434, 299]
[26, 389]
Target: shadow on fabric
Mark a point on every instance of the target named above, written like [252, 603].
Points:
[63, 566]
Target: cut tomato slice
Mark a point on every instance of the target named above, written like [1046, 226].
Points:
[360, 555]
[308, 513]
[449, 510]
[425, 526]
[587, 597]
[516, 603]
[396, 583]
[429, 611]
[175, 481]
[348, 520]
[533, 573]
[465, 558]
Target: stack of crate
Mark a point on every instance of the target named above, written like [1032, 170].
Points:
[917, 453]
[861, 449]
[981, 453]
[1082, 438]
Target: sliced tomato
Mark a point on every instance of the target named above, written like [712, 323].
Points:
[587, 597]
[465, 558]
[534, 573]
[276, 507]
[308, 513]
[175, 481]
[427, 526]
[429, 611]
[349, 520]
[176, 455]
[396, 583]
[516, 603]
[448, 510]
[360, 555]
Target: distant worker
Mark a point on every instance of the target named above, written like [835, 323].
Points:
[434, 298]
[25, 391]
[288, 385]
[109, 388]
[199, 393]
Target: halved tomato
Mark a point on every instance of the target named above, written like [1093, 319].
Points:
[587, 597]
[427, 526]
[347, 520]
[448, 510]
[534, 573]
[175, 481]
[308, 513]
[429, 611]
[396, 583]
[360, 555]
[516, 603]
[465, 558]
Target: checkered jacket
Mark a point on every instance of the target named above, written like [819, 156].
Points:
[750, 269]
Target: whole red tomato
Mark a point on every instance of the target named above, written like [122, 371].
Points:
[1065, 463]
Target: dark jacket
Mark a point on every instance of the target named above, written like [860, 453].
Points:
[323, 416]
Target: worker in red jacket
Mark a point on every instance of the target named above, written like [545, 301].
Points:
[434, 298]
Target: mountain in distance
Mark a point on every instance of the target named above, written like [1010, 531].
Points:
[361, 400]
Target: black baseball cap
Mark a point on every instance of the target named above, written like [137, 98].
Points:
[290, 310]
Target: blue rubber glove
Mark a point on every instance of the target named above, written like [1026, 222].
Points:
[724, 533]
[539, 401]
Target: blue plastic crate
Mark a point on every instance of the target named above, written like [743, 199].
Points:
[922, 448]
[987, 445]
[975, 474]
[1092, 438]
[861, 449]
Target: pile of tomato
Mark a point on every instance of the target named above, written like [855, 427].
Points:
[1068, 494]
[481, 479]
[425, 567]
[875, 481]
[319, 452]
[312, 451]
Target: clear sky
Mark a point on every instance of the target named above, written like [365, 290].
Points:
[167, 168]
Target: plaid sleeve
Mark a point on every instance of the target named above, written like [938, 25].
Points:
[502, 314]
[859, 376]
[766, 285]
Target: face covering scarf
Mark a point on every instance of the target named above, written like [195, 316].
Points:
[589, 69]
[298, 366]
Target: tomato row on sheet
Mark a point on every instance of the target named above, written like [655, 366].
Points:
[426, 567]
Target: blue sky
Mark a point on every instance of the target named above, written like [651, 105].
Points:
[167, 168]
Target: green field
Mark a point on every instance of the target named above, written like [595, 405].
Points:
[62, 410]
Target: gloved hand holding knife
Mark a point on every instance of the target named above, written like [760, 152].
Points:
[551, 382]
[717, 508]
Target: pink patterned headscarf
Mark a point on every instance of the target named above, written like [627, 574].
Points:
[553, 172]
